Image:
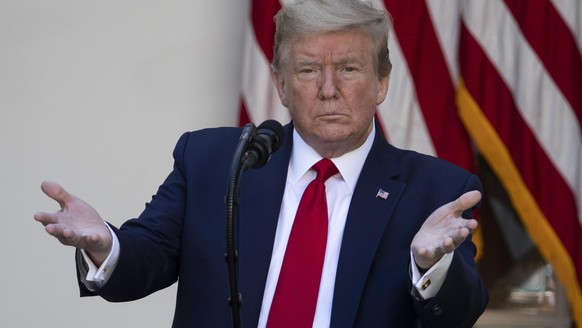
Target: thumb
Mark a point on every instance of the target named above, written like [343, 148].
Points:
[56, 192]
[465, 201]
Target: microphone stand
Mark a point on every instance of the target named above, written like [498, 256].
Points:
[231, 201]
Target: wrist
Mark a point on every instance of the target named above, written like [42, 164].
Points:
[98, 257]
[421, 270]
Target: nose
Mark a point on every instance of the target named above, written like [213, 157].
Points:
[328, 88]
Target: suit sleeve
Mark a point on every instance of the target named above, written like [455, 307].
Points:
[150, 244]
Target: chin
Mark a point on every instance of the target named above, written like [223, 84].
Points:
[334, 137]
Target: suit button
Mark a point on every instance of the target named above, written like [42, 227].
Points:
[436, 309]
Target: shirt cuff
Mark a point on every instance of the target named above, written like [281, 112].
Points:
[430, 283]
[98, 276]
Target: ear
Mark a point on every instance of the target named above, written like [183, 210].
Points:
[382, 89]
[279, 80]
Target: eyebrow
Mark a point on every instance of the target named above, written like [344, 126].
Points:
[341, 61]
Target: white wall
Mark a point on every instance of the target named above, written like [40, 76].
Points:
[94, 94]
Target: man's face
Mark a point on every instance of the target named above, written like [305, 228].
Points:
[329, 84]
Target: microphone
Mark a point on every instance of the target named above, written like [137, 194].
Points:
[267, 139]
[253, 150]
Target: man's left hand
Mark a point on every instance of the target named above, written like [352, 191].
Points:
[444, 230]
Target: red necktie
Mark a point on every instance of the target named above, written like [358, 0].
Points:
[298, 285]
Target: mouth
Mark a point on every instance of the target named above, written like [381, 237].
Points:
[331, 116]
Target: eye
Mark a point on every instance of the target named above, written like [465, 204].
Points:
[350, 69]
[307, 73]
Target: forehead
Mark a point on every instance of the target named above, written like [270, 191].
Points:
[350, 43]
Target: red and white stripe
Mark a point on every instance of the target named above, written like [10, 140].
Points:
[522, 65]
[538, 98]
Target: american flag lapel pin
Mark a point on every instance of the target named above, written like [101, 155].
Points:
[382, 194]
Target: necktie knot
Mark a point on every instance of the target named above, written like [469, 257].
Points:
[324, 169]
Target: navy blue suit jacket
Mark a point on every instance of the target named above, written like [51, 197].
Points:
[180, 236]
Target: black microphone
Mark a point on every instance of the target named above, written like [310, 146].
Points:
[267, 139]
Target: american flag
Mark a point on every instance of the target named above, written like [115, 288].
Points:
[502, 77]
[382, 194]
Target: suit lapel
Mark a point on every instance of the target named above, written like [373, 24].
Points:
[367, 218]
[261, 194]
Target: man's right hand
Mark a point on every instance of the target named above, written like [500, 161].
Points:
[77, 224]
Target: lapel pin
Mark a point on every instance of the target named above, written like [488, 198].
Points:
[382, 194]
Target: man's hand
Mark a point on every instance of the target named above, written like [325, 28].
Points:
[444, 230]
[77, 224]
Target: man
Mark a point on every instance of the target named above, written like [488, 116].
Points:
[397, 252]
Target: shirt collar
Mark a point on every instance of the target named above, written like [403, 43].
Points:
[349, 165]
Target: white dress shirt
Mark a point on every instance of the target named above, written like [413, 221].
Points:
[339, 190]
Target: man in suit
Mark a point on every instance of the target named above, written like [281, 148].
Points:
[398, 250]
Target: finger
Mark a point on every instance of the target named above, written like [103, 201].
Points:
[54, 229]
[45, 218]
[92, 240]
[459, 236]
[56, 192]
[65, 235]
[448, 245]
[461, 222]
[465, 201]
[424, 252]
[471, 224]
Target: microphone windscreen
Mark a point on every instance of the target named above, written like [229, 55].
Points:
[276, 128]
